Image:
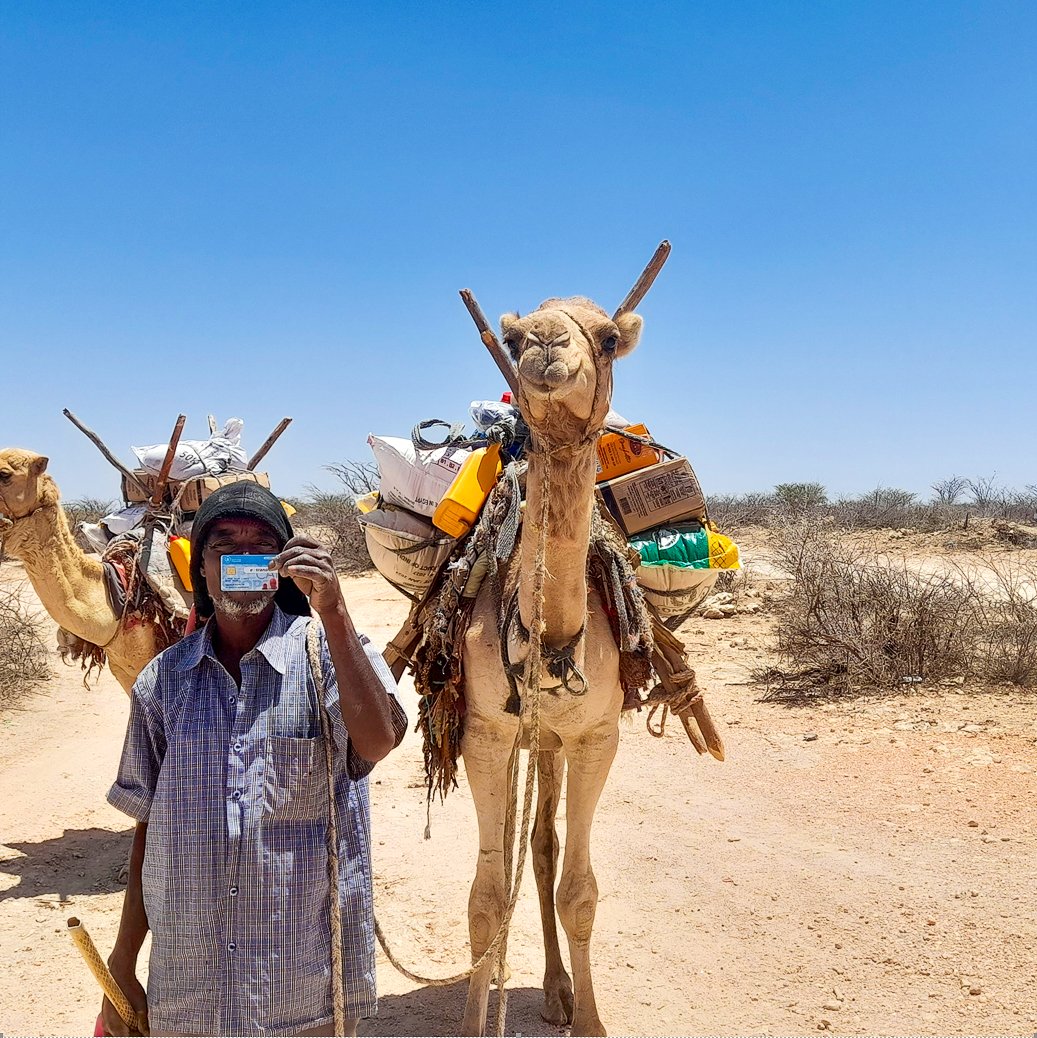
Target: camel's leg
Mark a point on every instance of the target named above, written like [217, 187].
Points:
[487, 752]
[558, 989]
[589, 758]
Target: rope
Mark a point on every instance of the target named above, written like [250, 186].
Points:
[338, 995]
[498, 946]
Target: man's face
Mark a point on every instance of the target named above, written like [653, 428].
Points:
[237, 537]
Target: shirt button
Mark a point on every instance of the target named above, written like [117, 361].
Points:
[237, 747]
[233, 700]
[237, 794]
[233, 891]
[231, 946]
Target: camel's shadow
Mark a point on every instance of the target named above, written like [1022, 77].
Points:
[431, 1011]
[81, 861]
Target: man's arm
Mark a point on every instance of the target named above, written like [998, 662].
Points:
[133, 927]
[366, 706]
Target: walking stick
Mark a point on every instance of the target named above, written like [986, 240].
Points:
[103, 975]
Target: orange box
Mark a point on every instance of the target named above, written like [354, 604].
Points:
[617, 455]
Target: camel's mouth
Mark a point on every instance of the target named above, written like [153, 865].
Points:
[556, 376]
[5, 523]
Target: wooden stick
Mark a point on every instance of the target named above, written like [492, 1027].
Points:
[491, 342]
[102, 974]
[674, 652]
[268, 443]
[167, 462]
[111, 458]
[664, 669]
[644, 282]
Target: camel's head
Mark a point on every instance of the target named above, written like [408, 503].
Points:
[564, 352]
[24, 483]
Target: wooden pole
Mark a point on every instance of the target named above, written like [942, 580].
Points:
[644, 282]
[267, 444]
[491, 342]
[144, 560]
[111, 458]
[672, 653]
[167, 462]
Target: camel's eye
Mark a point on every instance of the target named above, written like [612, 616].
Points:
[609, 345]
[5, 476]
[512, 342]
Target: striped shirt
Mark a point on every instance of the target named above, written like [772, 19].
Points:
[233, 787]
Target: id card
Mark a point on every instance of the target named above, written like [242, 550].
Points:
[247, 573]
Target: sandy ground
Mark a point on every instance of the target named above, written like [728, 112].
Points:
[864, 868]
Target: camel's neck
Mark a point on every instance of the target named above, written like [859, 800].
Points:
[571, 500]
[69, 583]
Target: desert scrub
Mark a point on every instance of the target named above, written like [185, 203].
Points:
[856, 620]
[87, 510]
[333, 515]
[23, 654]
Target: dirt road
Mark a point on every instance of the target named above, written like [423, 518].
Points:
[863, 868]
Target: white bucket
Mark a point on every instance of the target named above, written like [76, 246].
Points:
[405, 549]
[675, 589]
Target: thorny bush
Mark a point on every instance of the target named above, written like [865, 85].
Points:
[955, 502]
[23, 654]
[333, 515]
[856, 620]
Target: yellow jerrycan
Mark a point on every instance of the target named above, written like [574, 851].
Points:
[463, 502]
[180, 554]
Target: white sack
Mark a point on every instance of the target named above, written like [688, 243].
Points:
[221, 453]
[415, 479]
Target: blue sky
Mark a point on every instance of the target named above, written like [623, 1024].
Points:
[267, 209]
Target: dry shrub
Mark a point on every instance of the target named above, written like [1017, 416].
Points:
[23, 654]
[955, 502]
[333, 519]
[1008, 615]
[734, 512]
[87, 510]
[856, 620]
[333, 515]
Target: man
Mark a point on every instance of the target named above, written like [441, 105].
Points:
[223, 771]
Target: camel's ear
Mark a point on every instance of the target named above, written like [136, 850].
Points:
[38, 465]
[506, 322]
[48, 493]
[629, 326]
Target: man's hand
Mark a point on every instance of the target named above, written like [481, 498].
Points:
[125, 975]
[309, 564]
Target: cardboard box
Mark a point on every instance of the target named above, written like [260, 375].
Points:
[198, 489]
[617, 455]
[665, 493]
[131, 494]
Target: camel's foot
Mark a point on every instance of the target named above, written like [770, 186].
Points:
[591, 1026]
[558, 1000]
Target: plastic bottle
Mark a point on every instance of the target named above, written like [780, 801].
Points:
[180, 556]
[463, 502]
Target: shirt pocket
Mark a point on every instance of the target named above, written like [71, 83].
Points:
[294, 783]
